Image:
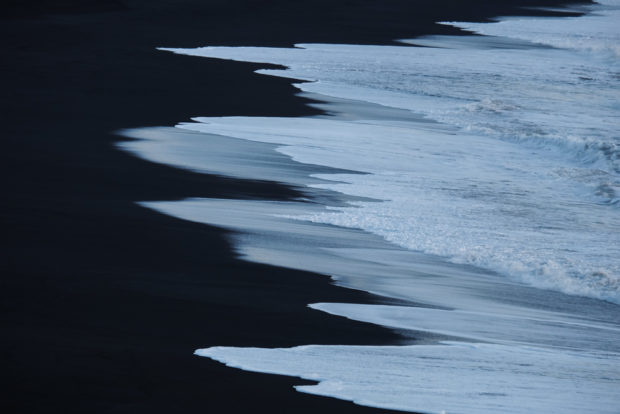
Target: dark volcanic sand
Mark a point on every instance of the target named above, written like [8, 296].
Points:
[103, 302]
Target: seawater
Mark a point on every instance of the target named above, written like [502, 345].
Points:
[496, 203]
[526, 184]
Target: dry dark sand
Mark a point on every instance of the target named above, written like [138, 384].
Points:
[102, 301]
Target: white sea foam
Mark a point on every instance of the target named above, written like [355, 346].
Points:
[446, 194]
[513, 168]
[543, 352]
[451, 377]
[595, 32]
[527, 183]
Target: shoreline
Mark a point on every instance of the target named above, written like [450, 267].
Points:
[104, 301]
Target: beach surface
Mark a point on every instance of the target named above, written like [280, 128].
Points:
[103, 301]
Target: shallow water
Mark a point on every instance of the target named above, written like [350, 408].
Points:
[475, 180]
[525, 183]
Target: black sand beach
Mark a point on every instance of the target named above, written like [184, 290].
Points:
[103, 301]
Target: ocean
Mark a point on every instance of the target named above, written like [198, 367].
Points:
[471, 182]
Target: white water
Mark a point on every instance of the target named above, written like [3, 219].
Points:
[515, 171]
[444, 378]
[527, 183]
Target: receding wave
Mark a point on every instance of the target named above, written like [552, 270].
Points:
[534, 147]
[489, 170]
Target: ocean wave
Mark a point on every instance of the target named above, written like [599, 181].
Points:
[533, 145]
[596, 32]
